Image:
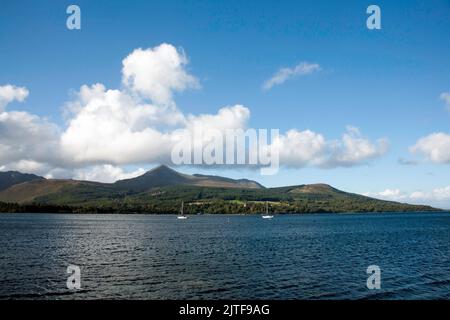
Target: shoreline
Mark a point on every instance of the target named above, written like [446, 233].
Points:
[231, 214]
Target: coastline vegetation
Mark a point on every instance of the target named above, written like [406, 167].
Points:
[203, 202]
[162, 190]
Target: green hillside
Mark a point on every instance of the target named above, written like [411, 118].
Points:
[162, 190]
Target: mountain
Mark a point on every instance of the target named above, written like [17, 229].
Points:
[165, 176]
[10, 178]
[76, 192]
[162, 190]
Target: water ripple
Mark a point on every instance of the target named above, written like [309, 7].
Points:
[225, 257]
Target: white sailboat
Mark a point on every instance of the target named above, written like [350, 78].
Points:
[181, 216]
[267, 215]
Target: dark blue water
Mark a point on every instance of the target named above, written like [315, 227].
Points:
[225, 257]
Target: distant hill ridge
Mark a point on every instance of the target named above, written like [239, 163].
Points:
[24, 188]
[10, 178]
[165, 176]
[162, 190]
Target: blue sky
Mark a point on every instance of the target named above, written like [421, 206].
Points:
[385, 82]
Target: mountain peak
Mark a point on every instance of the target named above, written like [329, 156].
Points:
[163, 175]
[162, 168]
[157, 177]
[316, 188]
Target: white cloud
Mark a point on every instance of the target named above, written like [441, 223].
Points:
[9, 93]
[106, 174]
[435, 147]
[230, 117]
[388, 194]
[284, 74]
[28, 166]
[391, 193]
[156, 73]
[301, 148]
[437, 196]
[355, 149]
[27, 137]
[110, 126]
[27, 142]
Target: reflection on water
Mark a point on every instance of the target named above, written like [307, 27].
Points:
[228, 257]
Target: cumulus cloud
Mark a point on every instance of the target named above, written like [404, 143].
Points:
[110, 126]
[9, 93]
[354, 149]
[437, 196]
[284, 74]
[106, 173]
[139, 123]
[230, 117]
[156, 73]
[27, 142]
[27, 137]
[301, 148]
[435, 147]
[29, 166]
[389, 194]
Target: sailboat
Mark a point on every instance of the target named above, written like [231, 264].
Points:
[181, 216]
[267, 215]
